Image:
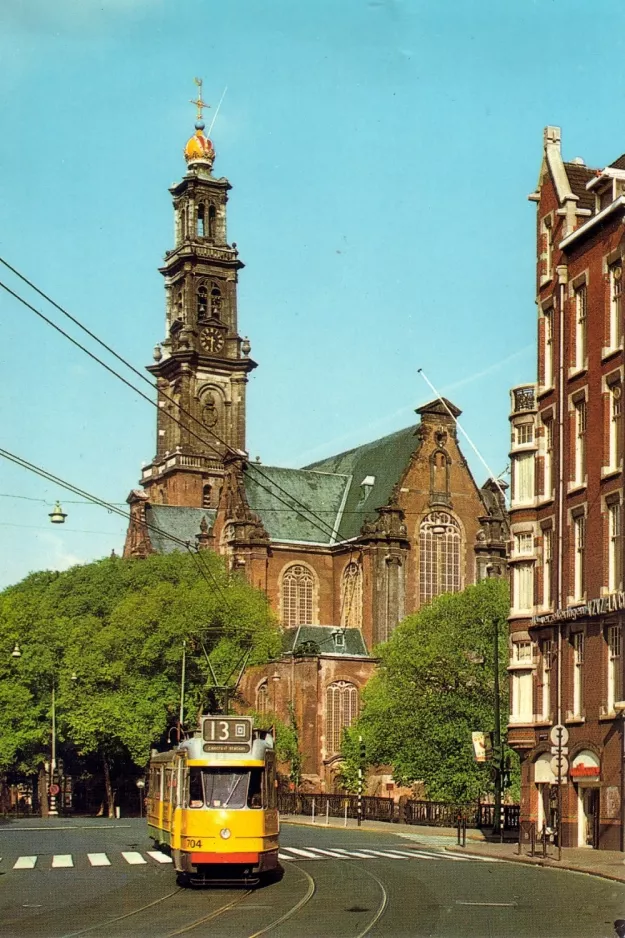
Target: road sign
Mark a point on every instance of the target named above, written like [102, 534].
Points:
[562, 763]
[54, 789]
[559, 735]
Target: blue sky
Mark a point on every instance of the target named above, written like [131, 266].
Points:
[381, 153]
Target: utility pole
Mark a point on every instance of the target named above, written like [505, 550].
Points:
[361, 764]
[497, 749]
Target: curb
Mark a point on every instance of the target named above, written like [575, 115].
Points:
[545, 864]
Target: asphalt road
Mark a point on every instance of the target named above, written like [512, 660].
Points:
[65, 878]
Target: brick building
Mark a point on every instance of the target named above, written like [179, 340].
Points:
[344, 548]
[566, 663]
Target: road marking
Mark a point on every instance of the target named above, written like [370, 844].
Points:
[389, 854]
[25, 863]
[62, 861]
[329, 853]
[303, 853]
[283, 856]
[494, 905]
[98, 859]
[130, 856]
[159, 857]
[353, 854]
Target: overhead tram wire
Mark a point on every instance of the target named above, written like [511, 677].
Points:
[313, 517]
[111, 507]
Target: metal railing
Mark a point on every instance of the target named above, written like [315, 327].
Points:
[430, 813]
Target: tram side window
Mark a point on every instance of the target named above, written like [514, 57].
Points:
[269, 777]
[255, 791]
[168, 774]
[196, 794]
[155, 784]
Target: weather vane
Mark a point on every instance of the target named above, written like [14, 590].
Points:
[198, 101]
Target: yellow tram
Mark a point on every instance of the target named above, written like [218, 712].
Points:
[212, 803]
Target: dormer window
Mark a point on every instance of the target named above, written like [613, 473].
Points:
[339, 638]
[366, 486]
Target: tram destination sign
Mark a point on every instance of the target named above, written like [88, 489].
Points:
[227, 734]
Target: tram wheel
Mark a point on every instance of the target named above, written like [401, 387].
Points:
[183, 880]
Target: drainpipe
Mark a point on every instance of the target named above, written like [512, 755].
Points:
[562, 279]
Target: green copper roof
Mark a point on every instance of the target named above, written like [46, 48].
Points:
[182, 523]
[281, 497]
[324, 640]
[385, 460]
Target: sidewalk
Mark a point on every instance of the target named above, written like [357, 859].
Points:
[610, 864]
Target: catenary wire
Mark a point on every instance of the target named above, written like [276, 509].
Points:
[69, 486]
[312, 515]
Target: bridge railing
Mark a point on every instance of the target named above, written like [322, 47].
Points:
[411, 811]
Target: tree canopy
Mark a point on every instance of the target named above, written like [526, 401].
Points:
[434, 686]
[109, 636]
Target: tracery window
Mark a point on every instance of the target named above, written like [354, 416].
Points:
[342, 706]
[262, 699]
[298, 589]
[201, 221]
[215, 301]
[351, 597]
[439, 550]
[207, 496]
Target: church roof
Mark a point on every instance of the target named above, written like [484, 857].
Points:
[280, 498]
[181, 523]
[322, 640]
[373, 470]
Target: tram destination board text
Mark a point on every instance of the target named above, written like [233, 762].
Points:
[227, 734]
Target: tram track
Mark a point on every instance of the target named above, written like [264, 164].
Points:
[105, 923]
[312, 886]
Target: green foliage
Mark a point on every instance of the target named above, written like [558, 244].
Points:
[109, 635]
[435, 685]
[287, 741]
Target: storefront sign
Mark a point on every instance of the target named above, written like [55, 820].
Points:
[615, 602]
[585, 765]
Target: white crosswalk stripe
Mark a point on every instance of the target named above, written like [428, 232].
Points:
[159, 857]
[366, 853]
[62, 861]
[25, 863]
[98, 859]
[130, 856]
[303, 853]
[329, 853]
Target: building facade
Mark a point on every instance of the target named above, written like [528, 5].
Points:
[343, 548]
[566, 620]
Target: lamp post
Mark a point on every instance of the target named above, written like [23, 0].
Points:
[497, 750]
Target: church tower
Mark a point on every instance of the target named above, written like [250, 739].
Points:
[202, 365]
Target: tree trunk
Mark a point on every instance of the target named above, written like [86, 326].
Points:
[42, 790]
[110, 794]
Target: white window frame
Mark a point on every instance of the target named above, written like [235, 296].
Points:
[579, 549]
[522, 683]
[581, 421]
[615, 546]
[523, 478]
[580, 297]
[523, 586]
[548, 347]
[547, 566]
[577, 643]
[546, 649]
[616, 424]
[548, 459]
[615, 279]
[614, 683]
[524, 543]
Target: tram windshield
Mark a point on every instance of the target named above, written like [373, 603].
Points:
[223, 788]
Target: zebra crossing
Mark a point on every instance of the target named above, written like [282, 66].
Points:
[391, 853]
[67, 861]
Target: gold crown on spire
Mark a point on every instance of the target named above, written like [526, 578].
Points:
[199, 148]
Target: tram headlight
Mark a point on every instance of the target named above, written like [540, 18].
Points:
[224, 832]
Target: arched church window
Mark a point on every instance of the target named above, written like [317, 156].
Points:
[439, 555]
[207, 496]
[211, 222]
[215, 301]
[202, 302]
[201, 221]
[351, 597]
[262, 699]
[298, 589]
[342, 706]
[183, 221]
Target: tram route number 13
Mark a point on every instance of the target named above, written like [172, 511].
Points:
[228, 730]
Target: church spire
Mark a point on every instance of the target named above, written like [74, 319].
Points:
[199, 149]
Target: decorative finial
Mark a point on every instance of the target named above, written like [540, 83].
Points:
[198, 101]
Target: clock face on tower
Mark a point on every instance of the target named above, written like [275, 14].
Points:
[211, 339]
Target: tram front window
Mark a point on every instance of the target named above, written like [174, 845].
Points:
[224, 788]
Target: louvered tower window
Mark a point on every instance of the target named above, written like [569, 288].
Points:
[439, 549]
[342, 707]
[298, 587]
